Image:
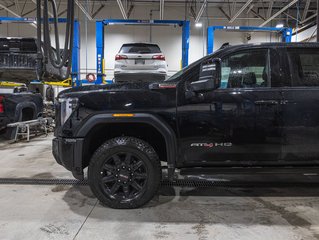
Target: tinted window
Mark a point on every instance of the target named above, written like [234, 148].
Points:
[304, 66]
[247, 69]
[140, 48]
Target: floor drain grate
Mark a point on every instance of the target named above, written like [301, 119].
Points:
[61, 181]
[36, 181]
[192, 183]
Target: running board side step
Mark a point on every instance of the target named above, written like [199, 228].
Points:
[306, 171]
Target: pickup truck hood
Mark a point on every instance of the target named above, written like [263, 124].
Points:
[108, 87]
[132, 97]
[78, 91]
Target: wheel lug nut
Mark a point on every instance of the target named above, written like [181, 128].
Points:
[124, 182]
[119, 180]
[118, 169]
[123, 167]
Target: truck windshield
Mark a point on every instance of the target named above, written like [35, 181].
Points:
[185, 69]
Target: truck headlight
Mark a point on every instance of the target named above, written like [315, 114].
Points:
[68, 105]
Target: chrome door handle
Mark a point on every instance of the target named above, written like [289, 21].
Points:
[266, 102]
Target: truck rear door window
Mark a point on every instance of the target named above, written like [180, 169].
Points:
[304, 67]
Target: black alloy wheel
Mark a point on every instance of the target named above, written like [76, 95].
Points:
[124, 172]
[123, 176]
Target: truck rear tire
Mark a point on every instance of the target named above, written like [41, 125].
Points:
[125, 172]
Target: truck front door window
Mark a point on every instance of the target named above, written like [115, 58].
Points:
[245, 70]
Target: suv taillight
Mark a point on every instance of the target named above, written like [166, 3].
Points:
[159, 57]
[1, 104]
[120, 57]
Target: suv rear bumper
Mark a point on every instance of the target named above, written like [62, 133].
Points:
[65, 151]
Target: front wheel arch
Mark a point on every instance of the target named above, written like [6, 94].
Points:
[156, 122]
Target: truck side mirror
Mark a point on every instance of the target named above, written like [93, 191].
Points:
[209, 76]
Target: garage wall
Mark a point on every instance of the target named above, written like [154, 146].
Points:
[168, 37]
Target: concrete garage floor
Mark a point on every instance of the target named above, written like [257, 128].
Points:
[71, 212]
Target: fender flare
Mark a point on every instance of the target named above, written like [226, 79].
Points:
[21, 106]
[160, 125]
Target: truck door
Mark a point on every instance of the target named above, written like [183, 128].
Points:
[301, 115]
[237, 124]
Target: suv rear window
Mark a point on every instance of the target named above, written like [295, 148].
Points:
[304, 67]
[140, 48]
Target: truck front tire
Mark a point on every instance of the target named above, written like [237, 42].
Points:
[124, 172]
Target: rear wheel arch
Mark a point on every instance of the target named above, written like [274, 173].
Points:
[25, 111]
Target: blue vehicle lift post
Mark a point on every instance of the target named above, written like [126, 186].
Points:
[100, 39]
[75, 72]
[286, 33]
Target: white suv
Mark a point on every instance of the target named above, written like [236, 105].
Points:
[140, 62]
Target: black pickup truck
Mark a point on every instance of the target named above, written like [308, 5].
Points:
[18, 106]
[243, 107]
[18, 62]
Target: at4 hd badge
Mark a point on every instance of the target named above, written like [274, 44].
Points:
[210, 145]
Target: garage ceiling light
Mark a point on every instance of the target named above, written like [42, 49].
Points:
[279, 25]
[198, 25]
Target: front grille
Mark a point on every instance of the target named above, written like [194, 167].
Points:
[17, 61]
[57, 119]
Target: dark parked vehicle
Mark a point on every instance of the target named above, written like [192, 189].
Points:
[246, 106]
[18, 62]
[18, 106]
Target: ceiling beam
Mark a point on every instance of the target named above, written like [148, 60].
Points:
[28, 12]
[129, 12]
[308, 18]
[278, 13]
[14, 13]
[23, 7]
[62, 12]
[233, 7]
[223, 11]
[257, 14]
[17, 6]
[305, 11]
[292, 17]
[240, 11]
[192, 12]
[83, 10]
[97, 11]
[162, 9]
[269, 11]
[35, 2]
[119, 2]
[200, 12]
[11, 5]
[9, 10]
